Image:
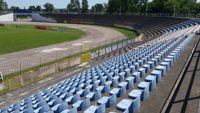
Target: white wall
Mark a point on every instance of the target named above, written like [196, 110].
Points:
[7, 18]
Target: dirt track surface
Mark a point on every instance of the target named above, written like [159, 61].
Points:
[95, 36]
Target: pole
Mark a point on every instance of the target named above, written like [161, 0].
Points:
[174, 10]
[120, 8]
[147, 7]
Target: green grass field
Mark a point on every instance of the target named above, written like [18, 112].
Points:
[24, 37]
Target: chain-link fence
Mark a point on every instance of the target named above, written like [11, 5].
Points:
[20, 65]
[40, 73]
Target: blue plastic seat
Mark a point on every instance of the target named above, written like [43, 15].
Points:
[130, 81]
[137, 77]
[128, 72]
[142, 72]
[82, 104]
[73, 99]
[169, 60]
[137, 65]
[147, 68]
[125, 105]
[152, 80]
[42, 109]
[83, 92]
[158, 74]
[155, 61]
[108, 101]
[55, 102]
[132, 67]
[115, 91]
[41, 104]
[162, 68]
[96, 109]
[60, 108]
[115, 81]
[151, 64]
[123, 84]
[121, 76]
[136, 95]
[145, 87]
[122, 90]
[172, 58]
[166, 64]
[64, 95]
[28, 110]
[94, 95]
[73, 110]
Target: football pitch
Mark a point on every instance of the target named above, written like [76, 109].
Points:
[21, 37]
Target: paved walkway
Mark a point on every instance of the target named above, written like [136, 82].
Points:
[95, 36]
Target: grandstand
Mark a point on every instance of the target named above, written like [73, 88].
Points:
[151, 26]
[121, 83]
[100, 56]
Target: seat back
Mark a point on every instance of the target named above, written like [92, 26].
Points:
[62, 107]
[112, 100]
[101, 109]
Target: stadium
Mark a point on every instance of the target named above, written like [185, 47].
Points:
[105, 56]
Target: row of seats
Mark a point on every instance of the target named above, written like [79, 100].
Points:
[135, 96]
[136, 79]
[99, 87]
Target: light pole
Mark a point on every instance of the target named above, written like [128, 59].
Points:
[147, 7]
[120, 8]
[174, 10]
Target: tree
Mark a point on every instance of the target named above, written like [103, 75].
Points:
[172, 6]
[32, 8]
[78, 6]
[84, 6]
[155, 6]
[97, 8]
[38, 8]
[113, 6]
[105, 7]
[14, 8]
[3, 5]
[74, 6]
[49, 7]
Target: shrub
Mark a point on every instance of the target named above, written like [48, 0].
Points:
[1, 25]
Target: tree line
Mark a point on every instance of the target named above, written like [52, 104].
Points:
[155, 6]
[118, 6]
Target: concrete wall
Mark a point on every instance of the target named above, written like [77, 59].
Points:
[7, 18]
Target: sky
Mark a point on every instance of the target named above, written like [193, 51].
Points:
[57, 3]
